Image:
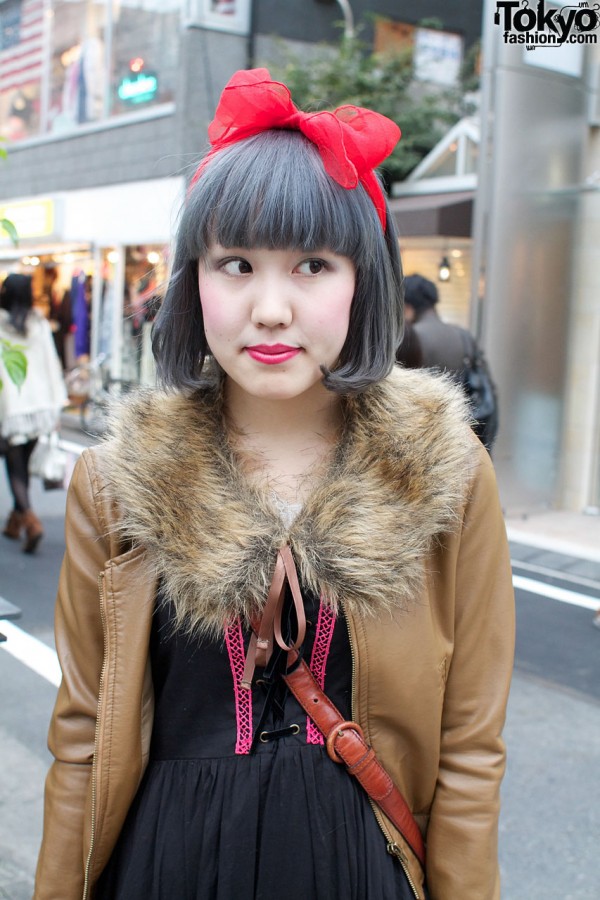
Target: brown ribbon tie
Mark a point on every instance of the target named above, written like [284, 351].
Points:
[268, 629]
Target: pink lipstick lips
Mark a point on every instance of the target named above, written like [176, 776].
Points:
[272, 354]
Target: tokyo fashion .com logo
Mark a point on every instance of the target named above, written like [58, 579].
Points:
[544, 26]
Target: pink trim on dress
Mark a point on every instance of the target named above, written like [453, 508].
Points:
[318, 662]
[234, 638]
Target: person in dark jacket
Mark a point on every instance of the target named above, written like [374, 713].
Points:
[441, 343]
[409, 353]
[452, 349]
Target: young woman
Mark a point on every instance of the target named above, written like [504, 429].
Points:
[28, 411]
[283, 438]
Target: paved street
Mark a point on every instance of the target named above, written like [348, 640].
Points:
[550, 824]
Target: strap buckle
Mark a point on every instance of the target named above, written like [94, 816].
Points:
[338, 732]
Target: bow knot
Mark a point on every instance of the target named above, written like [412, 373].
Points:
[351, 140]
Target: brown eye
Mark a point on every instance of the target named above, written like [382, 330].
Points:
[237, 266]
[311, 267]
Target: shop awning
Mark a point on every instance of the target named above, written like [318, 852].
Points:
[446, 215]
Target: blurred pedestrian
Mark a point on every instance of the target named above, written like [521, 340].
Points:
[409, 352]
[294, 517]
[31, 410]
[450, 348]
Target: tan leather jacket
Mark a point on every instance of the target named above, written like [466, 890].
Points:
[430, 678]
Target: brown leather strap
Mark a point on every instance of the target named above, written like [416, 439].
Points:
[268, 629]
[345, 743]
[344, 740]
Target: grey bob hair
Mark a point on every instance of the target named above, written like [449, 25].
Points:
[271, 191]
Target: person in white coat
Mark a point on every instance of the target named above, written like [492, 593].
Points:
[31, 410]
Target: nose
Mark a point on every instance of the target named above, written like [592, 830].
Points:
[271, 307]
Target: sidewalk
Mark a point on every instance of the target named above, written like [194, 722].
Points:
[570, 533]
[547, 804]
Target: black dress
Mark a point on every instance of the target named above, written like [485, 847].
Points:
[230, 809]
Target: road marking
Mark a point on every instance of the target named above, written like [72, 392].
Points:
[30, 651]
[553, 573]
[555, 593]
[43, 659]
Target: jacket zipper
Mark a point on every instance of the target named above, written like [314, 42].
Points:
[392, 847]
[86, 883]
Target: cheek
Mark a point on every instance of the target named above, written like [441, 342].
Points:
[221, 315]
[334, 315]
[209, 301]
[334, 320]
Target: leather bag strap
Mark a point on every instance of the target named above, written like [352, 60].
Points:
[344, 740]
[346, 744]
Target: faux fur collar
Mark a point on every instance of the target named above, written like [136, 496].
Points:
[399, 480]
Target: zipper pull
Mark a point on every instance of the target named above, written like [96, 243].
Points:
[394, 850]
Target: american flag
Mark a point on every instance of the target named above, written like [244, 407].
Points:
[21, 43]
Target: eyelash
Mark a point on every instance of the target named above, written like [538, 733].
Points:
[315, 259]
[239, 259]
[234, 259]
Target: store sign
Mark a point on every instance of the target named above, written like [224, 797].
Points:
[437, 56]
[138, 87]
[220, 15]
[31, 218]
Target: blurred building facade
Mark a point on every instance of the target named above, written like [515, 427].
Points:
[104, 107]
[536, 280]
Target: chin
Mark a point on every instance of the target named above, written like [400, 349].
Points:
[277, 393]
[279, 388]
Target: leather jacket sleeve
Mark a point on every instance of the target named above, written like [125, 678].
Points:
[462, 835]
[79, 643]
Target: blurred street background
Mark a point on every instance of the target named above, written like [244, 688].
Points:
[495, 190]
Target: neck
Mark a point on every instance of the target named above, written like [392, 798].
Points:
[284, 443]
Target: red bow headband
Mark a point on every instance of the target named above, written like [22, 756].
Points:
[352, 141]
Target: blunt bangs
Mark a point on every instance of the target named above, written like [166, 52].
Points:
[272, 192]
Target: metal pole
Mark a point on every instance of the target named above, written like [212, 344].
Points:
[479, 260]
[348, 18]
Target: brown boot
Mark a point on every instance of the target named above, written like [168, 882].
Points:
[14, 525]
[33, 531]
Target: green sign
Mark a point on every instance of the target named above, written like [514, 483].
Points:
[138, 88]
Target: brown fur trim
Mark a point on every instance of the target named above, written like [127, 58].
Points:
[400, 479]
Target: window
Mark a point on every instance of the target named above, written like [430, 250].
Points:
[78, 72]
[21, 58]
[144, 54]
[98, 59]
[111, 57]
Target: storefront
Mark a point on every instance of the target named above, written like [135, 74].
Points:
[439, 247]
[99, 260]
[433, 212]
[69, 63]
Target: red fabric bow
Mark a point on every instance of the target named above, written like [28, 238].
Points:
[352, 141]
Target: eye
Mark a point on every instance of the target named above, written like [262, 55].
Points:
[311, 267]
[236, 266]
